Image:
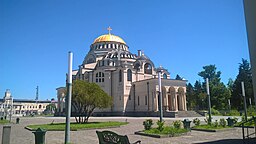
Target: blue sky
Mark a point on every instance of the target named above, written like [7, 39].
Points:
[181, 35]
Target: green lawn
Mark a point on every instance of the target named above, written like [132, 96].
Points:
[210, 127]
[76, 126]
[4, 121]
[166, 131]
[246, 124]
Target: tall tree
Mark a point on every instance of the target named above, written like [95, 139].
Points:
[244, 75]
[178, 77]
[191, 100]
[199, 95]
[218, 91]
[210, 73]
[86, 97]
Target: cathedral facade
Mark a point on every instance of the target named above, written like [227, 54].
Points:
[131, 79]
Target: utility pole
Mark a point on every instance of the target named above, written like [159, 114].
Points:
[68, 98]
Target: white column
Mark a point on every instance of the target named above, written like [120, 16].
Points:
[156, 101]
[250, 17]
[185, 103]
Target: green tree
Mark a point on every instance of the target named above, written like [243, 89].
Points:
[210, 73]
[178, 77]
[191, 100]
[86, 97]
[200, 96]
[218, 91]
[50, 108]
[244, 75]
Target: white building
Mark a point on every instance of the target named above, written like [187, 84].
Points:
[21, 107]
[130, 79]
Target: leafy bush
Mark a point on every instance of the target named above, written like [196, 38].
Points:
[233, 113]
[215, 112]
[207, 120]
[243, 118]
[251, 111]
[235, 119]
[223, 122]
[196, 121]
[148, 124]
[216, 124]
[160, 125]
[177, 124]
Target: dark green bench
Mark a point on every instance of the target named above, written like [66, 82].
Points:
[109, 137]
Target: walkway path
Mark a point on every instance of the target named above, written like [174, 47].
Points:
[19, 135]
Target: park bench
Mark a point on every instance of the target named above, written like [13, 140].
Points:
[109, 137]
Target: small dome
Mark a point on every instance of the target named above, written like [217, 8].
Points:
[109, 38]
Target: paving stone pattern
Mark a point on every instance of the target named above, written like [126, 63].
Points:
[19, 135]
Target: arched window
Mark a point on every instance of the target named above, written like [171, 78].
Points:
[120, 76]
[99, 77]
[147, 68]
[137, 66]
[129, 75]
[164, 76]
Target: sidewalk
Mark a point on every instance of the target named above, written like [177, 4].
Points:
[19, 135]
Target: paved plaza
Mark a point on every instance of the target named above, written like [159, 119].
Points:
[19, 135]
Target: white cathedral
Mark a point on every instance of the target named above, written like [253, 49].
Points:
[132, 80]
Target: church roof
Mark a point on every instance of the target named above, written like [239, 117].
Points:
[109, 38]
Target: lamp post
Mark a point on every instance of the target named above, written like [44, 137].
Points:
[209, 100]
[243, 94]
[160, 95]
[68, 98]
[229, 105]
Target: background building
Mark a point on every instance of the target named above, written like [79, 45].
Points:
[130, 79]
[21, 107]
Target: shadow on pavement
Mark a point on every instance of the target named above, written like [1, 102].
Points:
[231, 141]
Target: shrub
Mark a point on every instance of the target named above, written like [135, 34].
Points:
[207, 120]
[215, 112]
[251, 111]
[196, 121]
[243, 118]
[148, 124]
[235, 119]
[215, 124]
[160, 125]
[177, 124]
[233, 113]
[223, 122]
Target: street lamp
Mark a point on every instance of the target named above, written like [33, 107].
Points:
[159, 71]
[68, 98]
[209, 100]
[229, 105]
[243, 94]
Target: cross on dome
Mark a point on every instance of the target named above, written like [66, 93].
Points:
[109, 29]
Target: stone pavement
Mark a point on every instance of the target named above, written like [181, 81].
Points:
[19, 135]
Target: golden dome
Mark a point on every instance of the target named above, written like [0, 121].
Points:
[109, 38]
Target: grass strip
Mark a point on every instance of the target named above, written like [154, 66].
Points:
[4, 121]
[77, 126]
